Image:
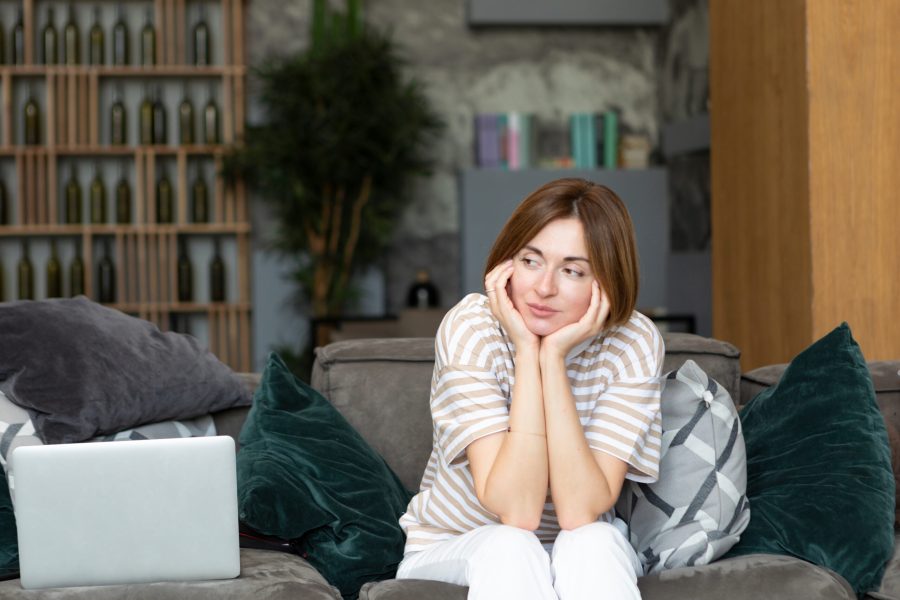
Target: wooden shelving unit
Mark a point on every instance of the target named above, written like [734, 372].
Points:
[73, 111]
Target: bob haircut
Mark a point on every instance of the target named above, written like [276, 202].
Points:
[608, 230]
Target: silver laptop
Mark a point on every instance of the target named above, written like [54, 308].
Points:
[126, 512]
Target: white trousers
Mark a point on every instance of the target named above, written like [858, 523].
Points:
[498, 562]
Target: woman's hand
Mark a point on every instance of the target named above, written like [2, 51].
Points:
[495, 285]
[560, 342]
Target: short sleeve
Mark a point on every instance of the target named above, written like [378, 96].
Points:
[626, 421]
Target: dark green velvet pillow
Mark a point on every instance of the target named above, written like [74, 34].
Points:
[819, 475]
[305, 475]
[9, 544]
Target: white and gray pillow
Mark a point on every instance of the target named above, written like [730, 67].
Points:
[698, 508]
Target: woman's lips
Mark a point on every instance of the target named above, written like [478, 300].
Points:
[539, 310]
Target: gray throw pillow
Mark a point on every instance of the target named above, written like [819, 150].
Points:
[698, 508]
[83, 370]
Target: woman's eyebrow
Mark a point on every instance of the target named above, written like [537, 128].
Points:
[565, 259]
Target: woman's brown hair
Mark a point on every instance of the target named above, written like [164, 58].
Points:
[608, 233]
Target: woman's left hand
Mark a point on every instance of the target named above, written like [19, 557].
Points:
[561, 341]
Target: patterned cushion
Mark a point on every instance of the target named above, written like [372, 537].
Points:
[16, 429]
[698, 508]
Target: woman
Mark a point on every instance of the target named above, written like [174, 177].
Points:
[545, 397]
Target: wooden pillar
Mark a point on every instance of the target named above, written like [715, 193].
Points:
[805, 141]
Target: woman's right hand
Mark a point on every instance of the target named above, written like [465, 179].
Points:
[496, 288]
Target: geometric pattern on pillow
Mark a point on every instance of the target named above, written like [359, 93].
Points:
[199, 427]
[16, 429]
[698, 508]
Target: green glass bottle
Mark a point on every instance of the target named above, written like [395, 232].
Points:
[201, 40]
[32, 122]
[106, 277]
[54, 273]
[159, 118]
[26, 275]
[210, 122]
[2, 49]
[119, 39]
[123, 200]
[18, 40]
[2, 283]
[216, 275]
[148, 41]
[185, 273]
[146, 112]
[76, 273]
[164, 203]
[199, 198]
[96, 41]
[49, 42]
[4, 204]
[98, 199]
[118, 121]
[186, 121]
[71, 43]
[73, 199]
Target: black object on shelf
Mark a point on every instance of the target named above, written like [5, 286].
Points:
[106, 277]
[423, 294]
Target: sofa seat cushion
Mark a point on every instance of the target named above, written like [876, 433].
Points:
[264, 574]
[743, 578]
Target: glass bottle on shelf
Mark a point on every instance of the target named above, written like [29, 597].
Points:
[146, 116]
[118, 123]
[159, 118]
[185, 273]
[26, 274]
[2, 280]
[98, 199]
[96, 55]
[164, 203]
[123, 199]
[201, 39]
[199, 198]
[32, 121]
[73, 198]
[210, 121]
[18, 40]
[2, 51]
[106, 277]
[216, 275]
[186, 120]
[54, 273]
[76, 273]
[4, 205]
[70, 38]
[119, 39]
[48, 39]
[148, 41]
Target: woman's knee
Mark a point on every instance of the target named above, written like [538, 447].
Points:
[508, 544]
[594, 538]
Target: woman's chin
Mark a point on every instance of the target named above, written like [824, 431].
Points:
[541, 328]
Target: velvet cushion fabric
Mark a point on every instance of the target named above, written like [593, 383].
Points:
[819, 474]
[304, 474]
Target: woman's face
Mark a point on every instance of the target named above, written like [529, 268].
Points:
[551, 281]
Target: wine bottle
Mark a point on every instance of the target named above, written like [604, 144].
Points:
[70, 38]
[98, 199]
[185, 273]
[32, 122]
[148, 41]
[146, 112]
[73, 198]
[186, 120]
[199, 198]
[201, 40]
[216, 275]
[422, 294]
[54, 273]
[18, 40]
[164, 212]
[96, 55]
[2, 283]
[48, 35]
[2, 51]
[210, 121]
[4, 205]
[123, 200]
[106, 277]
[76, 273]
[26, 275]
[159, 118]
[119, 39]
[118, 125]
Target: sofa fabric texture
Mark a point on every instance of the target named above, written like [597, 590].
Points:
[83, 370]
[819, 474]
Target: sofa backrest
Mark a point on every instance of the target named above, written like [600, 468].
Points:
[382, 387]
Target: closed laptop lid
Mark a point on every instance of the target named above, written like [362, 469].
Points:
[126, 512]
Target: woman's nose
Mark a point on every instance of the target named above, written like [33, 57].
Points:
[546, 285]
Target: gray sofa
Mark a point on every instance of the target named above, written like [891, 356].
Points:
[381, 386]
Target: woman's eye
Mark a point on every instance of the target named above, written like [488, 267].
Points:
[573, 272]
[528, 262]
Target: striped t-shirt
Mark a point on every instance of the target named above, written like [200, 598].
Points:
[616, 385]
